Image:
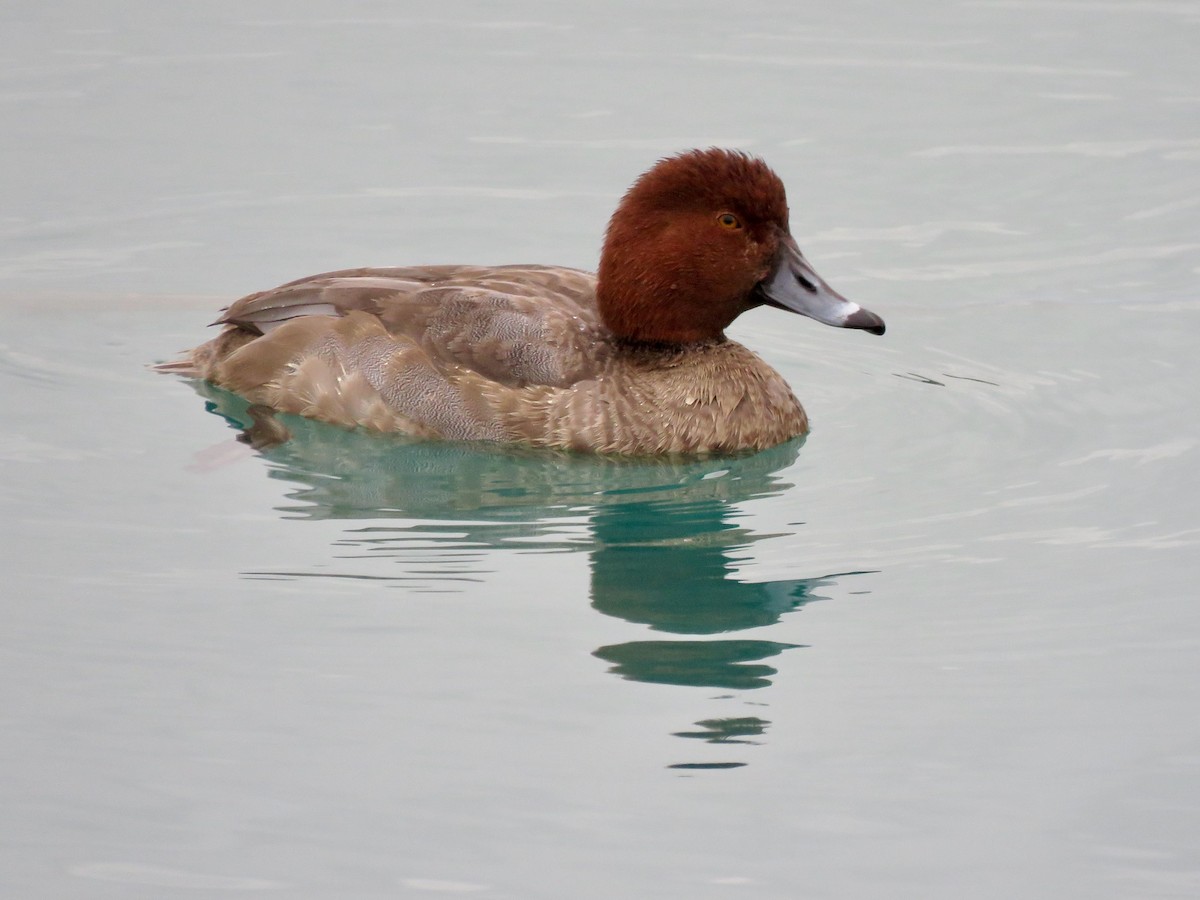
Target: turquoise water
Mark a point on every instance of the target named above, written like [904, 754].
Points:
[945, 647]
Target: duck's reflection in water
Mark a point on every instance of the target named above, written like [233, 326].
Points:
[663, 536]
[670, 565]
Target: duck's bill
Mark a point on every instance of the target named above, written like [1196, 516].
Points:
[796, 287]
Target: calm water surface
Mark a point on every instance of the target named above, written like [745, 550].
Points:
[945, 648]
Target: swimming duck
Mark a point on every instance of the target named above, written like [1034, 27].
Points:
[632, 360]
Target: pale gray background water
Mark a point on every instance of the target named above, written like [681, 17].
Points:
[946, 649]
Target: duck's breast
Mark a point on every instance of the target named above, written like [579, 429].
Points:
[719, 398]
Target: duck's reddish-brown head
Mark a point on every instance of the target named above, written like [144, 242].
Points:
[698, 240]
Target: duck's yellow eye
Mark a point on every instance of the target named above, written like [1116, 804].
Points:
[728, 220]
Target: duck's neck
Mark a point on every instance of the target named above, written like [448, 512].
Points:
[654, 309]
[635, 345]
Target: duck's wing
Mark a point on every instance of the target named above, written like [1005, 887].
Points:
[514, 325]
[334, 294]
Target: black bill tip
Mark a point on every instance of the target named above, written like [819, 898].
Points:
[866, 320]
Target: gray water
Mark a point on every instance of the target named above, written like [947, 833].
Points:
[945, 648]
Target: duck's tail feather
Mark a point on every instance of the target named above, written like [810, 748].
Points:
[201, 362]
[186, 367]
